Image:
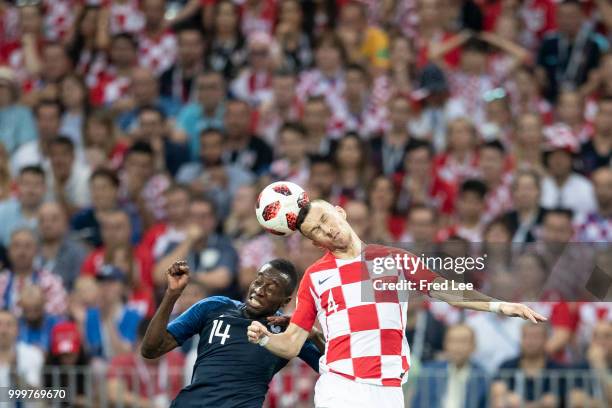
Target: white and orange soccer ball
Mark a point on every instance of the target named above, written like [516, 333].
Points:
[278, 206]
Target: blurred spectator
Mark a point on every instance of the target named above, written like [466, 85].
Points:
[160, 236]
[157, 44]
[226, 51]
[421, 224]
[84, 39]
[240, 225]
[419, 184]
[142, 187]
[67, 362]
[529, 141]
[6, 182]
[389, 149]
[316, 120]
[153, 128]
[572, 112]
[21, 210]
[206, 112]
[526, 94]
[470, 206]
[460, 160]
[358, 215]
[109, 79]
[527, 214]
[178, 82]
[124, 16]
[36, 152]
[456, 381]
[210, 175]
[386, 224]
[563, 187]
[143, 91]
[58, 253]
[352, 167]
[55, 64]
[210, 256]
[35, 324]
[22, 252]
[254, 83]
[568, 54]
[494, 173]
[102, 148]
[597, 152]
[536, 384]
[597, 225]
[282, 107]
[21, 365]
[242, 146]
[104, 187]
[322, 183]
[116, 231]
[109, 327]
[292, 163]
[135, 381]
[598, 361]
[68, 180]
[295, 43]
[73, 96]
[17, 122]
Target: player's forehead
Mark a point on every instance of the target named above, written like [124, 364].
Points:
[318, 213]
[269, 273]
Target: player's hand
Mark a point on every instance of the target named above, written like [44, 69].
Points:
[178, 277]
[257, 331]
[282, 321]
[522, 311]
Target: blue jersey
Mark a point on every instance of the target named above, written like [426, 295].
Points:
[229, 371]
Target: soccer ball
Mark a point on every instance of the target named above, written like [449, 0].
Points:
[278, 206]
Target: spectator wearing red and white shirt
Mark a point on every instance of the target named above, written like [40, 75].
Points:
[157, 45]
[59, 17]
[258, 16]
[22, 252]
[597, 225]
[292, 164]
[109, 79]
[494, 169]
[526, 95]
[9, 23]
[124, 16]
[571, 112]
[460, 161]
[254, 84]
[116, 230]
[358, 111]
[327, 78]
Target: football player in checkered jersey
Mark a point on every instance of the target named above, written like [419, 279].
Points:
[367, 356]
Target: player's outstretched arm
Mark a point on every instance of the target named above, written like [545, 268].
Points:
[157, 341]
[474, 300]
[286, 344]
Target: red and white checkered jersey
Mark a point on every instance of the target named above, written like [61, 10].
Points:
[157, 53]
[59, 17]
[364, 328]
[126, 17]
[52, 286]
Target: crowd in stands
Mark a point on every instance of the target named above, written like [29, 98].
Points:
[137, 132]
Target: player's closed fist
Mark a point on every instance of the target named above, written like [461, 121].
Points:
[256, 332]
[178, 276]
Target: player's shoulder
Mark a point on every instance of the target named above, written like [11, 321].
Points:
[216, 302]
[327, 261]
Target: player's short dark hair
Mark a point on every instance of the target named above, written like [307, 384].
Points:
[143, 325]
[474, 186]
[63, 141]
[302, 216]
[106, 174]
[34, 169]
[494, 144]
[286, 267]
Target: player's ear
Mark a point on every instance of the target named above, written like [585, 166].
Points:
[341, 211]
[286, 301]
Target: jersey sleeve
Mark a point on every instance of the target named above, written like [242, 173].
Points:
[310, 354]
[305, 309]
[193, 320]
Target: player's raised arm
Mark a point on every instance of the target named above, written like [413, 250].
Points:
[157, 340]
[474, 300]
[286, 344]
